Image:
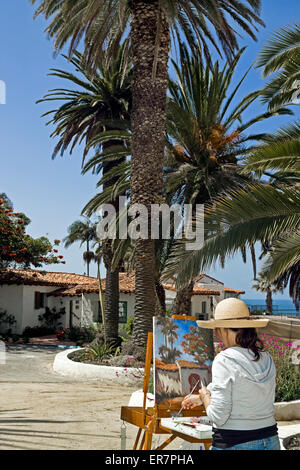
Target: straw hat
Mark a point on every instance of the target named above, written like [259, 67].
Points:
[232, 313]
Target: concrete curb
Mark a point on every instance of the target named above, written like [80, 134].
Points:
[78, 370]
[287, 410]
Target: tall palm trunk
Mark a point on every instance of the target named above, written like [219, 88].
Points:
[183, 301]
[148, 125]
[111, 305]
[269, 301]
[111, 310]
[88, 260]
[160, 309]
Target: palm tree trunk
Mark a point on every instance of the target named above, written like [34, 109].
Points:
[183, 301]
[101, 299]
[112, 276]
[111, 308]
[148, 126]
[88, 260]
[161, 300]
[111, 297]
[269, 301]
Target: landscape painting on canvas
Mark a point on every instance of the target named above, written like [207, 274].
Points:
[183, 355]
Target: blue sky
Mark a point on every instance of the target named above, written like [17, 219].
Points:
[52, 193]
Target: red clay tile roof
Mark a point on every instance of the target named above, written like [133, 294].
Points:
[126, 286]
[236, 291]
[71, 284]
[42, 278]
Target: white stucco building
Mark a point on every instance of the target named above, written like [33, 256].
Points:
[26, 293]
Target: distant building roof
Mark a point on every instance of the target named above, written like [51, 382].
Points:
[201, 276]
[196, 290]
[235, 291]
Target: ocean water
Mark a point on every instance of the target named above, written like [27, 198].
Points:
[280, 307]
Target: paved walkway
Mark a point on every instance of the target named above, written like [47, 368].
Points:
[40, 409]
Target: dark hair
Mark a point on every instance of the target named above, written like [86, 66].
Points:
[247, 338]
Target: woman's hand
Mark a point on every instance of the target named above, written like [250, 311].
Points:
[191, 401]
[204, 395]
[203, 391]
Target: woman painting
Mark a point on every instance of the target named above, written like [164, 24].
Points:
[240, 399]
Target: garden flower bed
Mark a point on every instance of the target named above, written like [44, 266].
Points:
[91, 371]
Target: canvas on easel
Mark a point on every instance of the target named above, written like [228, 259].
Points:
[196, 352]
[183, 355]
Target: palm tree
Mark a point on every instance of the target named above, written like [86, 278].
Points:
[205, 137]
[207, 131]
[83, 232]
[280, 59]
[260, 213]
[151, 25]
[264, 285]
[207, 134]
[100, 105]
[102, 99]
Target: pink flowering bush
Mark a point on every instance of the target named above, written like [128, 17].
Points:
[287, 373]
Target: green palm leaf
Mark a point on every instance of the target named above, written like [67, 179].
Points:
[283, 155]
[285, 254]
[281, 57]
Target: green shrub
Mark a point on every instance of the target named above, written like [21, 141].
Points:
[101, 351]
[37, 331]
[6, 322]
[77, 334]
[50, 319]
[129, 325]
[93, 354]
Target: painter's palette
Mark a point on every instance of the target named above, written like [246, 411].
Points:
[187, 427]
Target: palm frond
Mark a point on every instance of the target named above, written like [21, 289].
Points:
[282, 154]
[100, 24]
[284, 255]
[260, 213]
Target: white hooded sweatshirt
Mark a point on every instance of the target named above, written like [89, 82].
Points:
[242, 390]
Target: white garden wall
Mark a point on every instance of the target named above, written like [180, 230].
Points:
[11, 300]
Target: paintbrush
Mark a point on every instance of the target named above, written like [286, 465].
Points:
[191, 393]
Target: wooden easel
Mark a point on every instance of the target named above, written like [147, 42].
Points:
[148, 420]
